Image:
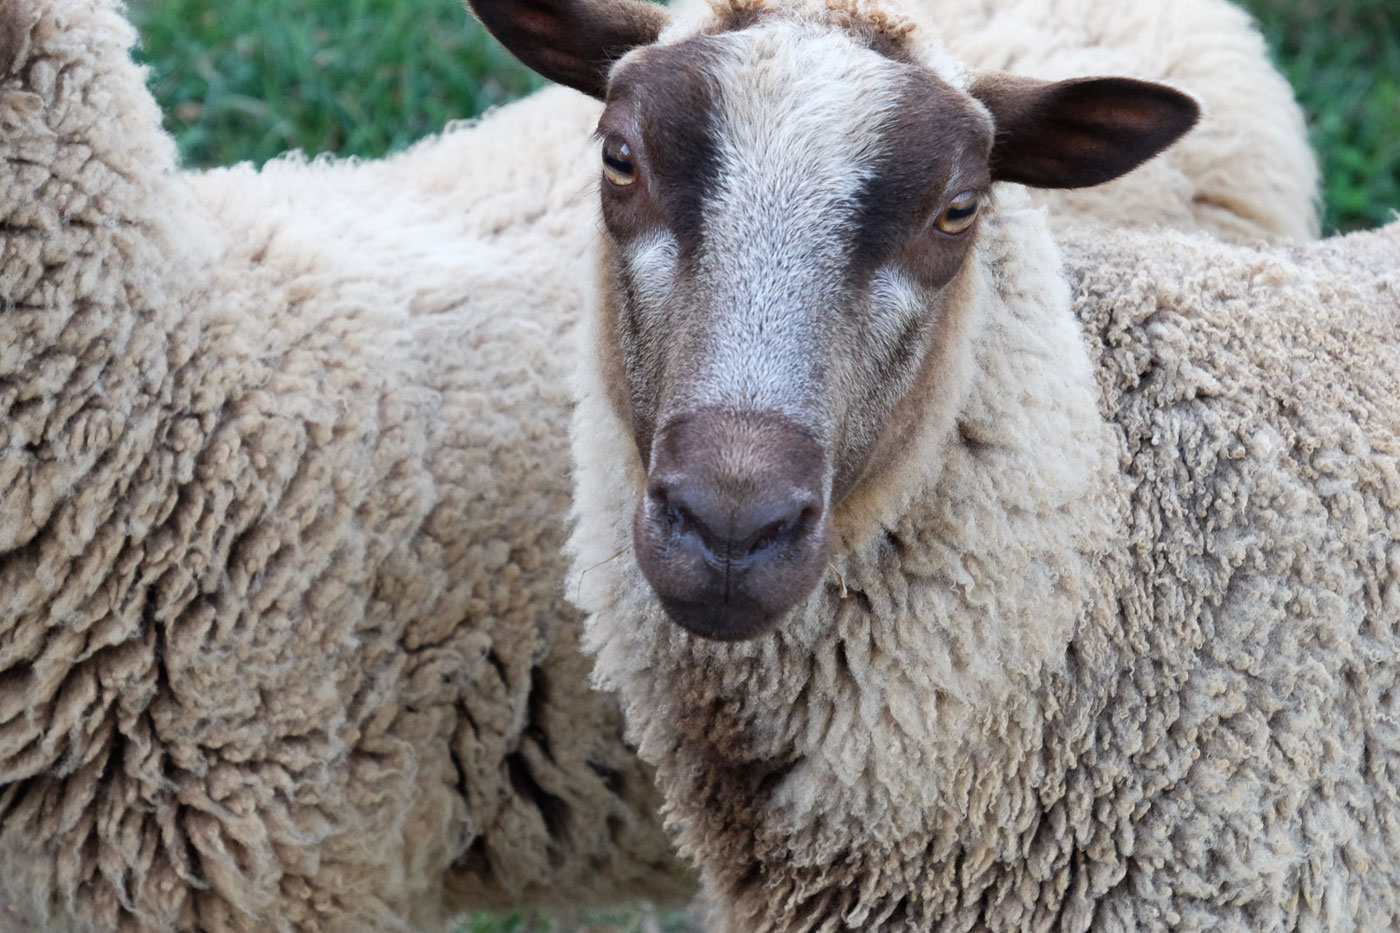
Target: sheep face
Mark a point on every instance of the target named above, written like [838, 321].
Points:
[790, 197]
[773, 287]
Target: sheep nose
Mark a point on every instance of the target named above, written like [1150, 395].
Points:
[732, 531]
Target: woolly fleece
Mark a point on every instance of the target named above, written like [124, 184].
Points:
[1115, 648]
[283, 642]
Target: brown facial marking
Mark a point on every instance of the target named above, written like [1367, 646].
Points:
[936, 143]
[661, 102]
[933, 150]
[665, 97]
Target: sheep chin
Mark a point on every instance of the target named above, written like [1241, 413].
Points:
[719, 622]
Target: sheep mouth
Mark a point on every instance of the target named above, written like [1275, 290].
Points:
[722, 622]
[733, 598]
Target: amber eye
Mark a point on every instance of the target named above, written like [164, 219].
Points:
[618, 165]
[959, 214]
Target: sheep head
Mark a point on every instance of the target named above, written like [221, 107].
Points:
[790, 193]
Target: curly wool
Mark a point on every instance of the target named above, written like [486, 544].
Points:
[283, 641]
[1117, 648]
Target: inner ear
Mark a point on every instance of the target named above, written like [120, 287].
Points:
[573, 42]
[1080, 132]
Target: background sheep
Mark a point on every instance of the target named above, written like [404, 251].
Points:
[1246, 172]
[275, 655]
[1103, 625]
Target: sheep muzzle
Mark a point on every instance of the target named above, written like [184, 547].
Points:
[733, 530]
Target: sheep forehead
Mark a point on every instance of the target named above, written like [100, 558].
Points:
[788, 83]
[879, 25]
[797, 128]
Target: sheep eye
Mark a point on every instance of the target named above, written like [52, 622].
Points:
[959, 214]
[618, 166]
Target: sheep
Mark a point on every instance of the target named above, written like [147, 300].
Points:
[946, 588]
[284, 644]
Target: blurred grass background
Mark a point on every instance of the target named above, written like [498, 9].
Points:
[1343, 60]
[249, 79]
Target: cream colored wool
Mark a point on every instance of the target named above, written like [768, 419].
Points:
[1116, 648]
[283, 643]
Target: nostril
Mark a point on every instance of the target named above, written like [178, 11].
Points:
[768, 537]
[783, 530]
[724, 526]
[677, 517]
[681, 521]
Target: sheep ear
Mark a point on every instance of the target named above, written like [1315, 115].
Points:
[573, 42]
[1081, 132]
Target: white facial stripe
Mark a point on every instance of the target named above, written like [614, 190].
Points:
[894, 302]
[798, 124]
[652, 262]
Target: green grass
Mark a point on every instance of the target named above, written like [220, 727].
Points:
[253, 78]
[1343, 59]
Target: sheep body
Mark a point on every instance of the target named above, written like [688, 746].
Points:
[284, 639]
[1115, 646]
